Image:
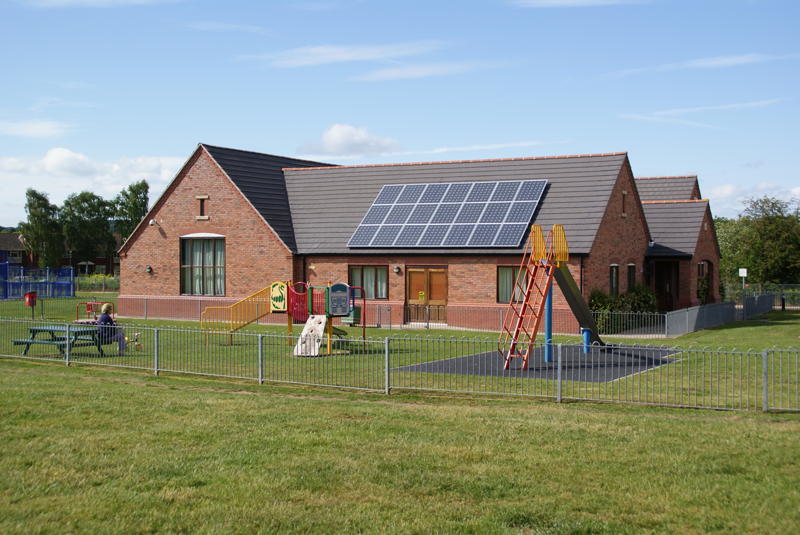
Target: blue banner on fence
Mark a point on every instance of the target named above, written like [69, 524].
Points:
[16, 281]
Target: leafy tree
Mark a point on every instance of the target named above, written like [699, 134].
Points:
[86, 222]
[42, 233]
[775, 240]
[765, 239]
[130, 206]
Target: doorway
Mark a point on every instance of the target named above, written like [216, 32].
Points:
[426, 294]
[666, 285]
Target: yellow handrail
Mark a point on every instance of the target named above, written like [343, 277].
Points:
[241, 313]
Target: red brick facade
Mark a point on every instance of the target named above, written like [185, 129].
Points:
[255, 256]
[621, 239]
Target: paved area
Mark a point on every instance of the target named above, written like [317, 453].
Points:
[601, 365]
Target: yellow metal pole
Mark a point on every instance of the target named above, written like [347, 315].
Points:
[329, 328]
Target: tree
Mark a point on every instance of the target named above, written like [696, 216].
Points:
[765, 239]
[87, 229]
[130, 206]
[42, 233]
[773, 240]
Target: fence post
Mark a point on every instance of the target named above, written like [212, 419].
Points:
[66, 346]
[155, 351]
[145, 308]
[765, 380]
[558, 374]
[387, 374]
[261, 359]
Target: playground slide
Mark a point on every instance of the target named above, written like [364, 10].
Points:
[311, 337]
[576, 303]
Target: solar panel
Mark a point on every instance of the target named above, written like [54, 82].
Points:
[484, 235]
[458, 235]
[399, 214]
[470, 212]
[455, 214]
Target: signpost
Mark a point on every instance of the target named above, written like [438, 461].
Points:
[339, 299]
[743, 275]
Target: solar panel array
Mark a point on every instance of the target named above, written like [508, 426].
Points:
[457, 214]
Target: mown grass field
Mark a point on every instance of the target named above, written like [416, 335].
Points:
[90, 450]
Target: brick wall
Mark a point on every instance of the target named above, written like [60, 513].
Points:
[621, 239]
[471, 280]
[255, 256]
[705, 250]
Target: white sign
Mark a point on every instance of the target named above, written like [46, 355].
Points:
[742, 272]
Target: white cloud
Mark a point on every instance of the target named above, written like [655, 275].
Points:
[44, 103]
[423, 70]
[721, 107]
[61, 172]
[470, 148]
[654, 118]
[325, 54]
[728, 199]
[716, 62]
[208, 26]
[32, 128]
[573, 3]
[93, 3]
[342, 142]
[351, 141]
[671, 116]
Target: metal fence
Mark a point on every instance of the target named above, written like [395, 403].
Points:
[689, 320]
[701, 378]
[756, 305]
[16, 281]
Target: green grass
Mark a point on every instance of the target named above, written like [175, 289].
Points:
[88, 450]
[696, 378]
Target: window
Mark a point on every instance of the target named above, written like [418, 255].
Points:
[374, 280]
[203, 266]
[702, 282]
[624, 198]
[631, 276]
[506, 277]
[201, 208]
[613, 276]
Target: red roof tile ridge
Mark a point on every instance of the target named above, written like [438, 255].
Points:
[675, 201]
[658, 177]
[521, 158]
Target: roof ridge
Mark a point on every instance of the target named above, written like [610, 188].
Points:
[659, 177]
[268, 154]
[521, 158]
[674, 201]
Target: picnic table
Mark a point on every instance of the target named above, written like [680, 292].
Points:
[62, 336]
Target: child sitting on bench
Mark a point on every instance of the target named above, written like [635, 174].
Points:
[108, 330]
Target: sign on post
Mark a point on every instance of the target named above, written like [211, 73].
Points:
[339, 299]
[742, 272]
[277, 297]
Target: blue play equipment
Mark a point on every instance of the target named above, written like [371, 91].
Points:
[16, 281]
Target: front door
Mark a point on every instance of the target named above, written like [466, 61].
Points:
[426, 294]
[666, 285]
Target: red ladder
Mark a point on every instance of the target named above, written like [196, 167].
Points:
[526, 307]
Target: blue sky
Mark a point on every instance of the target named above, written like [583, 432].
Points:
[99, 93]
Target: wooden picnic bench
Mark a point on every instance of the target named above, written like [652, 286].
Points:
[63, 337]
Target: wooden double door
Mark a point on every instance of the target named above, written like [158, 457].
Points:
[426, 294]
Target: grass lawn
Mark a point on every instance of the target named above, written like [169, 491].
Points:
[695, 378]
[107, 451]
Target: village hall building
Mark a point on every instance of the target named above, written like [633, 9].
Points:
[443, 236]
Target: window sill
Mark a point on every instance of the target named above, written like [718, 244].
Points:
[201, 217]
